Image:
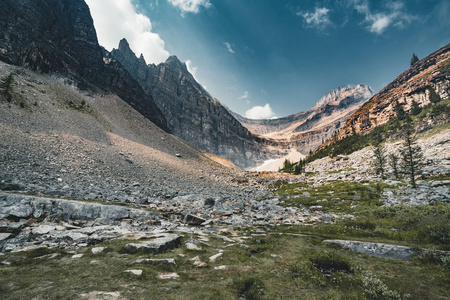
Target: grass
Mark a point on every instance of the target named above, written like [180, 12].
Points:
[276, 266]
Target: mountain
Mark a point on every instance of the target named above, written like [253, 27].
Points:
[307, 130]
[432, 71]
[193, 114]
[58, 37]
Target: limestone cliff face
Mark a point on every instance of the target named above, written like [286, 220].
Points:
[413, 84]
[307, 130]
[58, 37]
[193, 114]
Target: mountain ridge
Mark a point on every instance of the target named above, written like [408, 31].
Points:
[58, 37]
[193, 114]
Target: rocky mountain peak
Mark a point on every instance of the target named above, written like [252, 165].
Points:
[176, 64]
[352, 94]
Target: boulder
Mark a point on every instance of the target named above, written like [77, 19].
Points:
[157, 245]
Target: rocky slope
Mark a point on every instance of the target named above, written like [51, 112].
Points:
[307, 130]
[59, 37]
[413, 84]
[193, 114]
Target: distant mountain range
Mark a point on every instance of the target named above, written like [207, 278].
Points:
[432, 72]
[307, 130]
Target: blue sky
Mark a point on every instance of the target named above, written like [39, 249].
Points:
[278, 55]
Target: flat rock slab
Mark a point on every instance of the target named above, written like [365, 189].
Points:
[377, 249]
[134, 272]
[150, 261]
[169, 276]
[155, 246]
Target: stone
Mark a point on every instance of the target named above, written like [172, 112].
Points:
[97, 250]
[377, 249]
[220, 268]
[315, 208]
[155, 246]
[193, 220]
[191, 246]
[207, 222]
[77, 256]
[4, 236]
[198, 262]
[149, 261]
[169, 276]
[214, 257]
[134, 272]
[43, 229]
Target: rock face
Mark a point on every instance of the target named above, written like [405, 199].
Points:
[58, 37]
[307, 130]
[18, 206]
[413, 84]
[193, 114]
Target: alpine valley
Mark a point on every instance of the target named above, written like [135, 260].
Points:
[121, 179]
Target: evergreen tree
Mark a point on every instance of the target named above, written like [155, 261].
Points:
[393, 163]
[379, 162]
[399, 111]
[433, 96]
[415, 108]
[287, 166]
[6, 85]
[414, 59]
[410, 153]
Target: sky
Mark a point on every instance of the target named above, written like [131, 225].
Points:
[273, 58]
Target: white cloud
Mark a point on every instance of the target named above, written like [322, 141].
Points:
[190, 5]
[260, 112]
[318, 19]
[117, 19]
[191, 69]
[229, 47]
[244, 96]
[379, 22]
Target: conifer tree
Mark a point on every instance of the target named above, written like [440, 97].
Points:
[415, 108]
[414, 59]
[433, 96]
[410, 153]
[6, 85]
[399, 111]
[379, 162]
[393, 163]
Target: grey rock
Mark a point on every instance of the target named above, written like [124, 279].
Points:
[377, 249]
[155, 246]
[193, 219]
[150, 261]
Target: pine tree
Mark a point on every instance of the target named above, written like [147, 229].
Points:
[287, 166]
[399, 111]
[393, 163]
[6, 85]
[410, 153]
[433, 96]
[415, 108]
[379, 162]
[414, 59]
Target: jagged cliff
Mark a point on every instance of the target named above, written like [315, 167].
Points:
[413, 84]
[193, 114]
[58, 37]
[307, 130]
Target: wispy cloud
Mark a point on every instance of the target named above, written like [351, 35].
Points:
[377, 23]
[245, 97]
[229, 49]
[191, 69]
[319, 18]
[120, 21]
[192, 6]
[260, 112]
